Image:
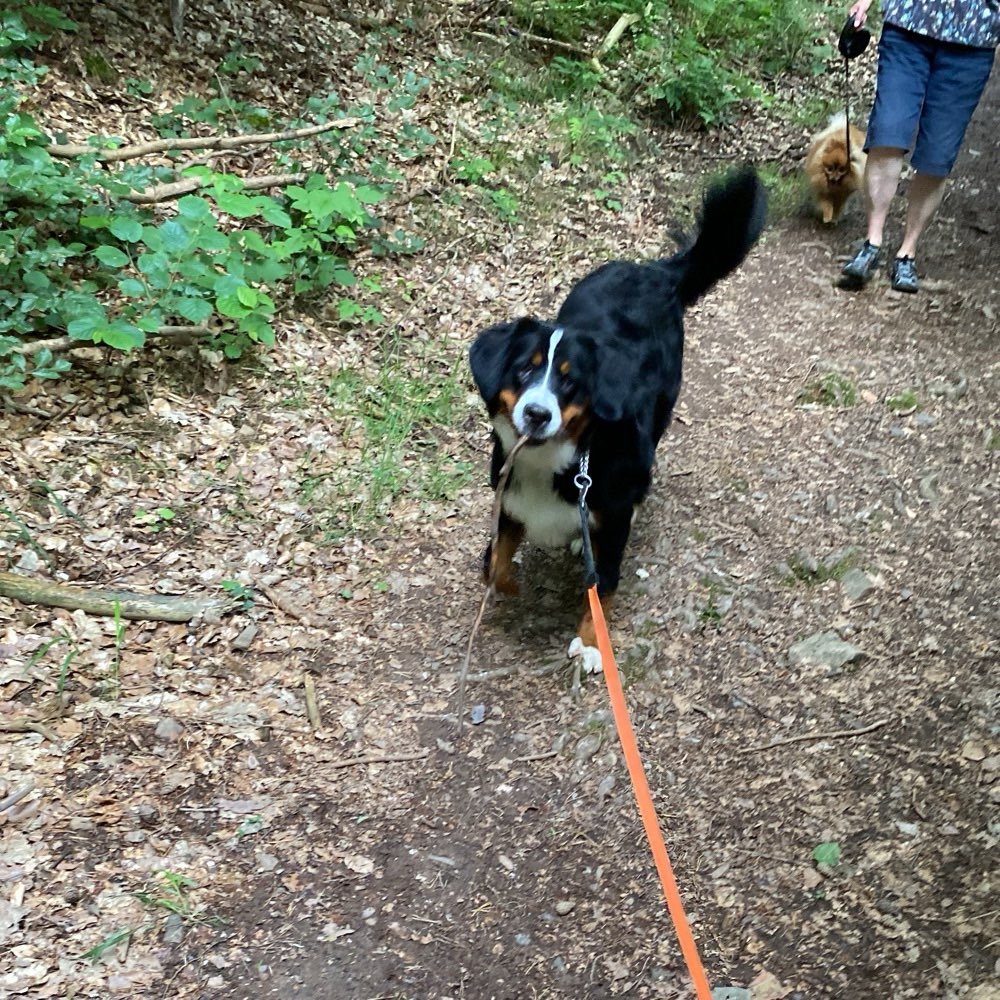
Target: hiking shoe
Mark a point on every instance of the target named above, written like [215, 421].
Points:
[903, 275]
[859, 269]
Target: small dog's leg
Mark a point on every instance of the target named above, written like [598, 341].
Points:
[509, 536]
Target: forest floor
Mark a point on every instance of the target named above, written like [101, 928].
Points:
[832, 472]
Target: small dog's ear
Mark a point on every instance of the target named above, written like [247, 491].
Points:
[490, 354]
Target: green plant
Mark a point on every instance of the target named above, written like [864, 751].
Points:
[594, 134]
[39, 654]
[23, 27]
[171, 892]
[472, 169]
[114, 939]
[833, 389]
[686, 61]
[242, 595]
[827, 853]
[907, 400]
[392, 415]
[154, 520]
[606, 197]
[505, 204]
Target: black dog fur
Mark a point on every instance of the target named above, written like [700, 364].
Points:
[607, 383]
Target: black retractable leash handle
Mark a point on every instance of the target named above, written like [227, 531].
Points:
[852, 42]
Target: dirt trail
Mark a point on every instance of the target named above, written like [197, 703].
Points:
[511, 865]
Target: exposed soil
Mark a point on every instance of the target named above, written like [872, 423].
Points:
[379, 856]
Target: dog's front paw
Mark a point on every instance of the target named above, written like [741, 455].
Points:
[590, 656]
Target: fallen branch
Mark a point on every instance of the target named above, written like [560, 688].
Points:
[388, 758]
[173, 189]
[57, 344]
[614, 35]
[106, 602]
[133, 152]
[836, 734]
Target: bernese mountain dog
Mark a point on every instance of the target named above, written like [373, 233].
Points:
[600, 381]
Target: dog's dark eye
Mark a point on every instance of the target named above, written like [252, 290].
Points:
[524, 374]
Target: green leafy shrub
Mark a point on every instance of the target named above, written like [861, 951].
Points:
[683, 60]
[80, 257]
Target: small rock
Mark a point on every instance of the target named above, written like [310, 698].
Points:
[522, 939]
[857, 584]
[826, 649]
[243, 640]
[173, 929]
[168, 729]
[730, 993]
[587, 746]
[605, 787]
[564, 906]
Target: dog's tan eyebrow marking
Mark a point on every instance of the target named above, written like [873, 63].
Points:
[564, 368]
[536, 358]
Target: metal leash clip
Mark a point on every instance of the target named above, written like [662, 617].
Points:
[582, 480]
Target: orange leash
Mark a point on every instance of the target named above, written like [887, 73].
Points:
[645, 802]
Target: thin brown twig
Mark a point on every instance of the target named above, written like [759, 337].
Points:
[383, 758]
[836, 734]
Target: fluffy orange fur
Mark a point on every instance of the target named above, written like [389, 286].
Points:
[832, 176]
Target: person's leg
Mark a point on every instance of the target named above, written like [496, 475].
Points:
[881, 180]
[926, 192]
[958, 77]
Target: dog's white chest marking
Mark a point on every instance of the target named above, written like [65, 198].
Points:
[530, 499]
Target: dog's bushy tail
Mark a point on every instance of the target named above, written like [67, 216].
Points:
[732, 218]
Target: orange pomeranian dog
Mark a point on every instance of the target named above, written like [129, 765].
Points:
[834, 177]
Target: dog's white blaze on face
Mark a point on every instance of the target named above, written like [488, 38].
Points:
[541, 394]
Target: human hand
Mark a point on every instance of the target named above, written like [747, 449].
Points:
[860, 12]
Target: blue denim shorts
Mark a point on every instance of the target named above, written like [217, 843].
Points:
[925, 94]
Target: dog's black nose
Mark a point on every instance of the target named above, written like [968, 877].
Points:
[536, 416]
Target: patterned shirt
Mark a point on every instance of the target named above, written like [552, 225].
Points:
[966, 22]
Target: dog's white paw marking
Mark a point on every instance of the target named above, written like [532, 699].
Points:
[590, 655]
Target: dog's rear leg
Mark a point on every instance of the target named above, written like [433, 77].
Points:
[510, 533]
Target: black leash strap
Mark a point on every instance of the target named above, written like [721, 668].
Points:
[847, 108]
[852, 42]
[583, 482]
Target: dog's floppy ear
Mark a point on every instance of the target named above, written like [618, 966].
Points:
[490, 353]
